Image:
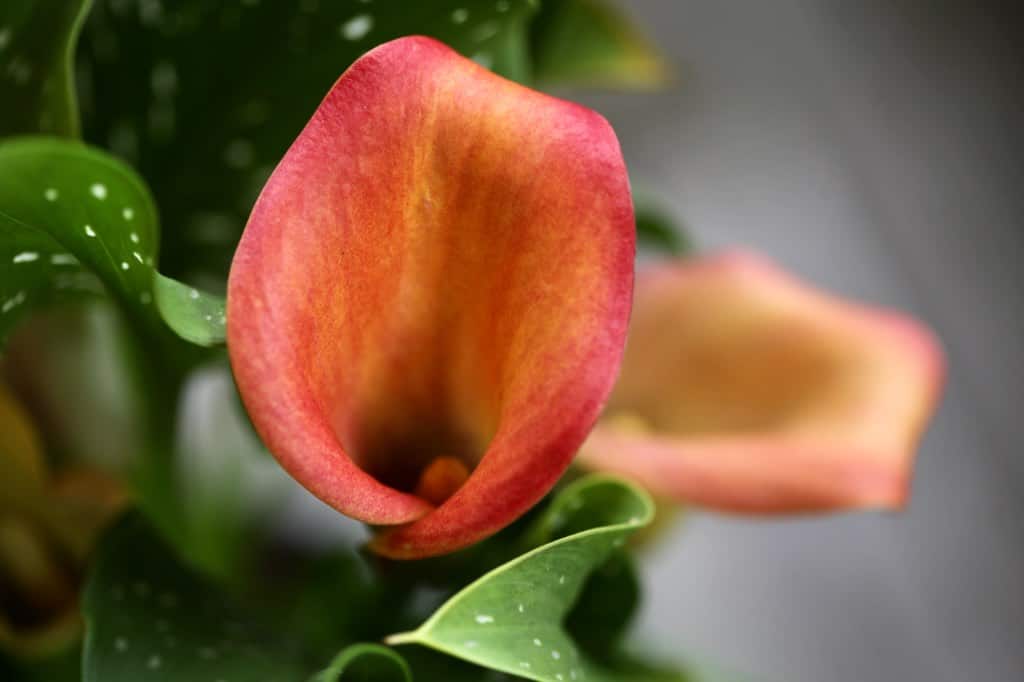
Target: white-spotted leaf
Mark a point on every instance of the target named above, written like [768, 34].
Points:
[511, 619]
[148, 617]
[75, 221]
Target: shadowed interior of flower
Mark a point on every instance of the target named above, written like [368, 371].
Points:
[428, 306]
[746, 390]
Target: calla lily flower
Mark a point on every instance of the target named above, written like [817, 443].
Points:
[428, 306]
[745, 390]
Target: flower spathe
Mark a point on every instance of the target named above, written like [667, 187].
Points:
[745, 390]
[431, 296]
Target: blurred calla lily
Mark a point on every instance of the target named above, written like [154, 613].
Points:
[47, 527]
[746, 390]
[428, 306]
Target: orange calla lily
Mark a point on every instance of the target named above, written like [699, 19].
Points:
[746, 390]
[428, 306]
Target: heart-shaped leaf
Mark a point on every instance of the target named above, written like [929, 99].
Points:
[591, 43]
[148, 617]
[37, 41]
[204, 98]
[75, 221]
[511, 619]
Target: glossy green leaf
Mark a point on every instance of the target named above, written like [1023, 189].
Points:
[76, 222]
[147, 617]
[71, 218]
[37, 42]
[511, 619]
[365, 663]
[592, 43]
[204, 98]
[194, 315]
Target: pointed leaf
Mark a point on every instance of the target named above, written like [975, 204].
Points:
[591, 43]
[511, 619]
[194, 315]
[37, 45]
[204, 98]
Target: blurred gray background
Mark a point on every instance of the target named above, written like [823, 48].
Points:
[874, 148]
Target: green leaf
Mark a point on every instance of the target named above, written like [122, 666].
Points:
[204, 98]
[76, 222]
[194, 315]
[365, 663]
[72, 221]
[149, 618]
[656, 229]
[605, 608]
[511, 619]
[37, 42]
[591, 43]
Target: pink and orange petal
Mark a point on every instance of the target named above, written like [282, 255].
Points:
[745, 390]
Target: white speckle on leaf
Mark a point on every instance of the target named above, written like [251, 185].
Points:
[138, 256]
[128, 213]
[460, 15]
[5, 37]
[89, 232]
[13, 302]
[154, 662]
[520, 608]
[524, 665]
[125, 265]
[25, 257]
[356, 27]
[555, 655]
[470, 644]
[63, 259]
[537, 642]
[484, 619]
[120, 644]
[134, 236]
[561, 580]
[194, 294]
[51, 194]
[98, 190]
